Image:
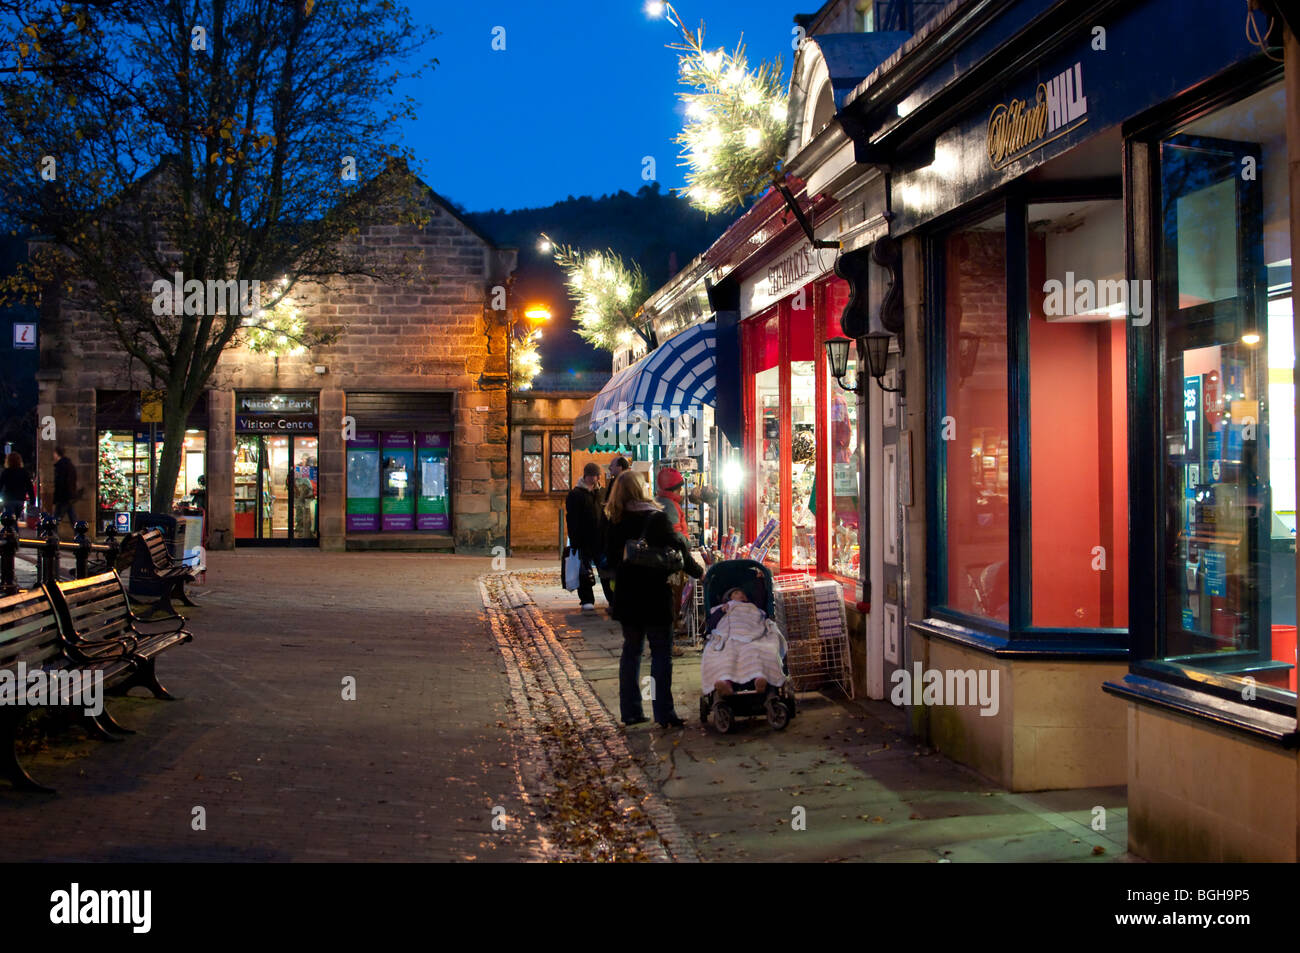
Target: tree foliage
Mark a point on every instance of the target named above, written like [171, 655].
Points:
[607, 295]
[242, 140]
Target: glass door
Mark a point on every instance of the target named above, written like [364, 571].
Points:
[304, 489]
[276, 485]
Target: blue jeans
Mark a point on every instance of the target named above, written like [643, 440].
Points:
[661, 671]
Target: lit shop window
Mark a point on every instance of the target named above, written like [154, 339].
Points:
[842, 431]
[974, 420]
[766, 357]
[1228, 454]
[1078, 411]
[803, 433]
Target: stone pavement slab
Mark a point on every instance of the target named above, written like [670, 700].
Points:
[866, 791]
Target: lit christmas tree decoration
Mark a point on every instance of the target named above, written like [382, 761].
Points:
[278, 329]
[607, 294]
[736, 122]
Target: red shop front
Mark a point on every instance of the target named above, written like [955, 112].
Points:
[801, 435]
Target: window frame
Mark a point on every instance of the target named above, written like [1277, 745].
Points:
[524, 454]
[551, 454]
[1148, 493]
[1018, 635]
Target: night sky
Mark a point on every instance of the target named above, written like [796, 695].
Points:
[582, 92]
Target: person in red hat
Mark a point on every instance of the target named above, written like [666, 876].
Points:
[670, 498]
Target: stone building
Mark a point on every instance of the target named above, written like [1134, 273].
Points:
[545, 464]
[393, 436]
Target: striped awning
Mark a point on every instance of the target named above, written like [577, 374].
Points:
[675, 379]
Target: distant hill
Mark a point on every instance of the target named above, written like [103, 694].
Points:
[656, 229]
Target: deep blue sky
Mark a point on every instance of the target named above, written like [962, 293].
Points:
[583, 90]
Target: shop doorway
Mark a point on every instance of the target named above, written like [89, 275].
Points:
[276, 490]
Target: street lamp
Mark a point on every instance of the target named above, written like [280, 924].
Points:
[837, 353]
[877, 347]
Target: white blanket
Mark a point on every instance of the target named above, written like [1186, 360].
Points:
[744, 645]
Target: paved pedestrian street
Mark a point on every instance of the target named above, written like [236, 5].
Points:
[484, 727]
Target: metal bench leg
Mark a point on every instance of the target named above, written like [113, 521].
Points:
[145, 676]
[164, 604]
[184, 596]
[97, 730]
[9, 765]
[110, 724]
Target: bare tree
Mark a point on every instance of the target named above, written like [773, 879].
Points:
[225, 140]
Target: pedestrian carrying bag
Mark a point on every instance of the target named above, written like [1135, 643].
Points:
[570, 568]
[665, 559]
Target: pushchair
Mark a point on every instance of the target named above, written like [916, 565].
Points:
[777, 703]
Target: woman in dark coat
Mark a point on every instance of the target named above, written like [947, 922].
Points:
[15, 484]
[643, 599]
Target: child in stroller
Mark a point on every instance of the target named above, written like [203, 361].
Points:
[743, 669]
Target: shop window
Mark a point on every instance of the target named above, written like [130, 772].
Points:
[803, 431]
[765, 357]
[1228, 400]
[560, 463]
[533, 462]
[1078, 408]
[397, 481]
[973, 427]
[845, 464]
[125, 463]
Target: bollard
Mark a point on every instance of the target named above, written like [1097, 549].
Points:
[8, 552]
[81, 528]
[47, 563]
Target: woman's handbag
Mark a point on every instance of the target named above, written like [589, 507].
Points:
[665, 559]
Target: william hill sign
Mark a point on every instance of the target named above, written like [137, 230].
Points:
[1018, 127]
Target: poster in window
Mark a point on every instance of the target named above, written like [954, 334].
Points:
[397, 481]
[432, 512]
[363, 482]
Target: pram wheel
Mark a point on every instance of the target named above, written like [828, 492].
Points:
[778, 716]
[723, 717]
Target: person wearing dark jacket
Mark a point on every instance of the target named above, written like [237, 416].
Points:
[643, 599]
[617, 467]
[65, 488]
[15, 484]
[582, 516]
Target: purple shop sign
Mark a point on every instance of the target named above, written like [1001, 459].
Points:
[433, 521]
[398, 440]
[363, 522]
[426, 439]
[365, 440]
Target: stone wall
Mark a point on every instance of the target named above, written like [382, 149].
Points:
[534, 518]
[434, 331]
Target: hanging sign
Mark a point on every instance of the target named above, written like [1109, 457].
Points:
[151, 406]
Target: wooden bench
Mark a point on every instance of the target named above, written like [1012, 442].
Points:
[97, 620]
[31, 633]
[152, 563]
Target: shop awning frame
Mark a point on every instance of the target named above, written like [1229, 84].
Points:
[677, 378]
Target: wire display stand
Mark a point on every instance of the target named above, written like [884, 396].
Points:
[811, 614]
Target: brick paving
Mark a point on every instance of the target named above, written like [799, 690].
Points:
[263, 740]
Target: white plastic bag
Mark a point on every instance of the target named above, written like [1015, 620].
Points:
[570, 569]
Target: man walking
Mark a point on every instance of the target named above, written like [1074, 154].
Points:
[65, 488]
[581, 511]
